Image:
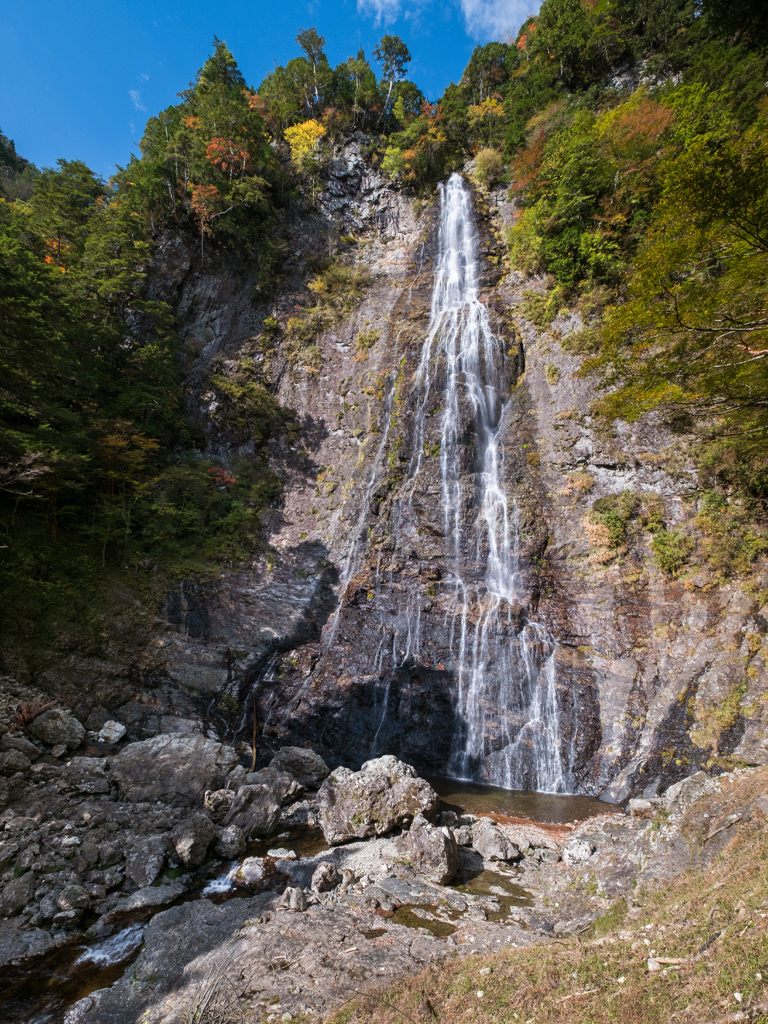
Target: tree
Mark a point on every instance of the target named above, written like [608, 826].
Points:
[313, 45]
[745, 18]
[394, 56]
[693, 334]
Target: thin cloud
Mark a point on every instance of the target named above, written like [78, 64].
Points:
[382, 11]
[143, 77]
[495, 19]
[136, 99]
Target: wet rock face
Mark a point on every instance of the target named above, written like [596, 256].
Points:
[385, 793]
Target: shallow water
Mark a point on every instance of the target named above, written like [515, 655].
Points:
[473, 798]
[304, 840]
[423, 916]
[39, 993]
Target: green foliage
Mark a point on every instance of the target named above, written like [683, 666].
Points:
[335, 290]
[615, 512]
[488, 166]
[364, 341]
[733, 536]
[95, 488]
[672, 550]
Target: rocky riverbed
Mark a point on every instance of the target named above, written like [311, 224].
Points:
[139, 878]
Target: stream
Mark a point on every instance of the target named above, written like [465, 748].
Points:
[40, 991]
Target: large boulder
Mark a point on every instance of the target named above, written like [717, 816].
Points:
[682, 795]
[18, 894]
[491, 843]
[385, 793]
[285, 788]
[173, 768]
[255, 810]
[145, 860]
[193, 838]
[58, 728]
[87, 775]
[432, 851]
[230, 843]
[326, 877]
[305, 766]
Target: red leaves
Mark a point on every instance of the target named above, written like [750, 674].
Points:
[221, 478]
[227, 155]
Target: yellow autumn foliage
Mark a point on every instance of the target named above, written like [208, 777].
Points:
[303, 139]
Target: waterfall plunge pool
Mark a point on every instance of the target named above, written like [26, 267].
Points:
[466, 797]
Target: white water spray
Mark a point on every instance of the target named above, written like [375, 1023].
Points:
[504, 664]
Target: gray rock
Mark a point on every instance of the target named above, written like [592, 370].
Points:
[432, 851]
[90, 853]
[679, 797]
[28, 856]
[218, 802]
[68, 919]
[651, 791]
[385, 793]
[172, 768]
[17, 894]
[640, 808]
[230, 843]
[326, 877]
[18, 945]
[463, 835]
[193, 838]
[491, 843]
[12, 761]
[58, 728]
[144, 862]
[59, 750]
[285, 788]
[251, 871]
[110, 855]
[154, 896]
[576, 851]
[87, 775]
[112, 732]
[48, 908]
[236, 777]
[18, 741]
[255, 810]
[305, 766]
[294, 899]
[74, 897]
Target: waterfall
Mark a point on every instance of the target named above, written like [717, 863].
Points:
[504, 664]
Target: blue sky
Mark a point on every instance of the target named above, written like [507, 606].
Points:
[78, 80]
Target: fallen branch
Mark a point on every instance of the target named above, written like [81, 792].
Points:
[577, 995]
[721, 829]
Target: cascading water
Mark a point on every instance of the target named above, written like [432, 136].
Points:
[489, 667]
[503, 663]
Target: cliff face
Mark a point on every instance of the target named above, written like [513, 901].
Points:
[347, 635]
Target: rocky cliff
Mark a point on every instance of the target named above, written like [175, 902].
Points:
[345, 633]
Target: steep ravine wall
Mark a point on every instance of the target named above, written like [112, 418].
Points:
[645, 664]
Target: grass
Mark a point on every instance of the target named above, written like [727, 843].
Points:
[712, 922]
